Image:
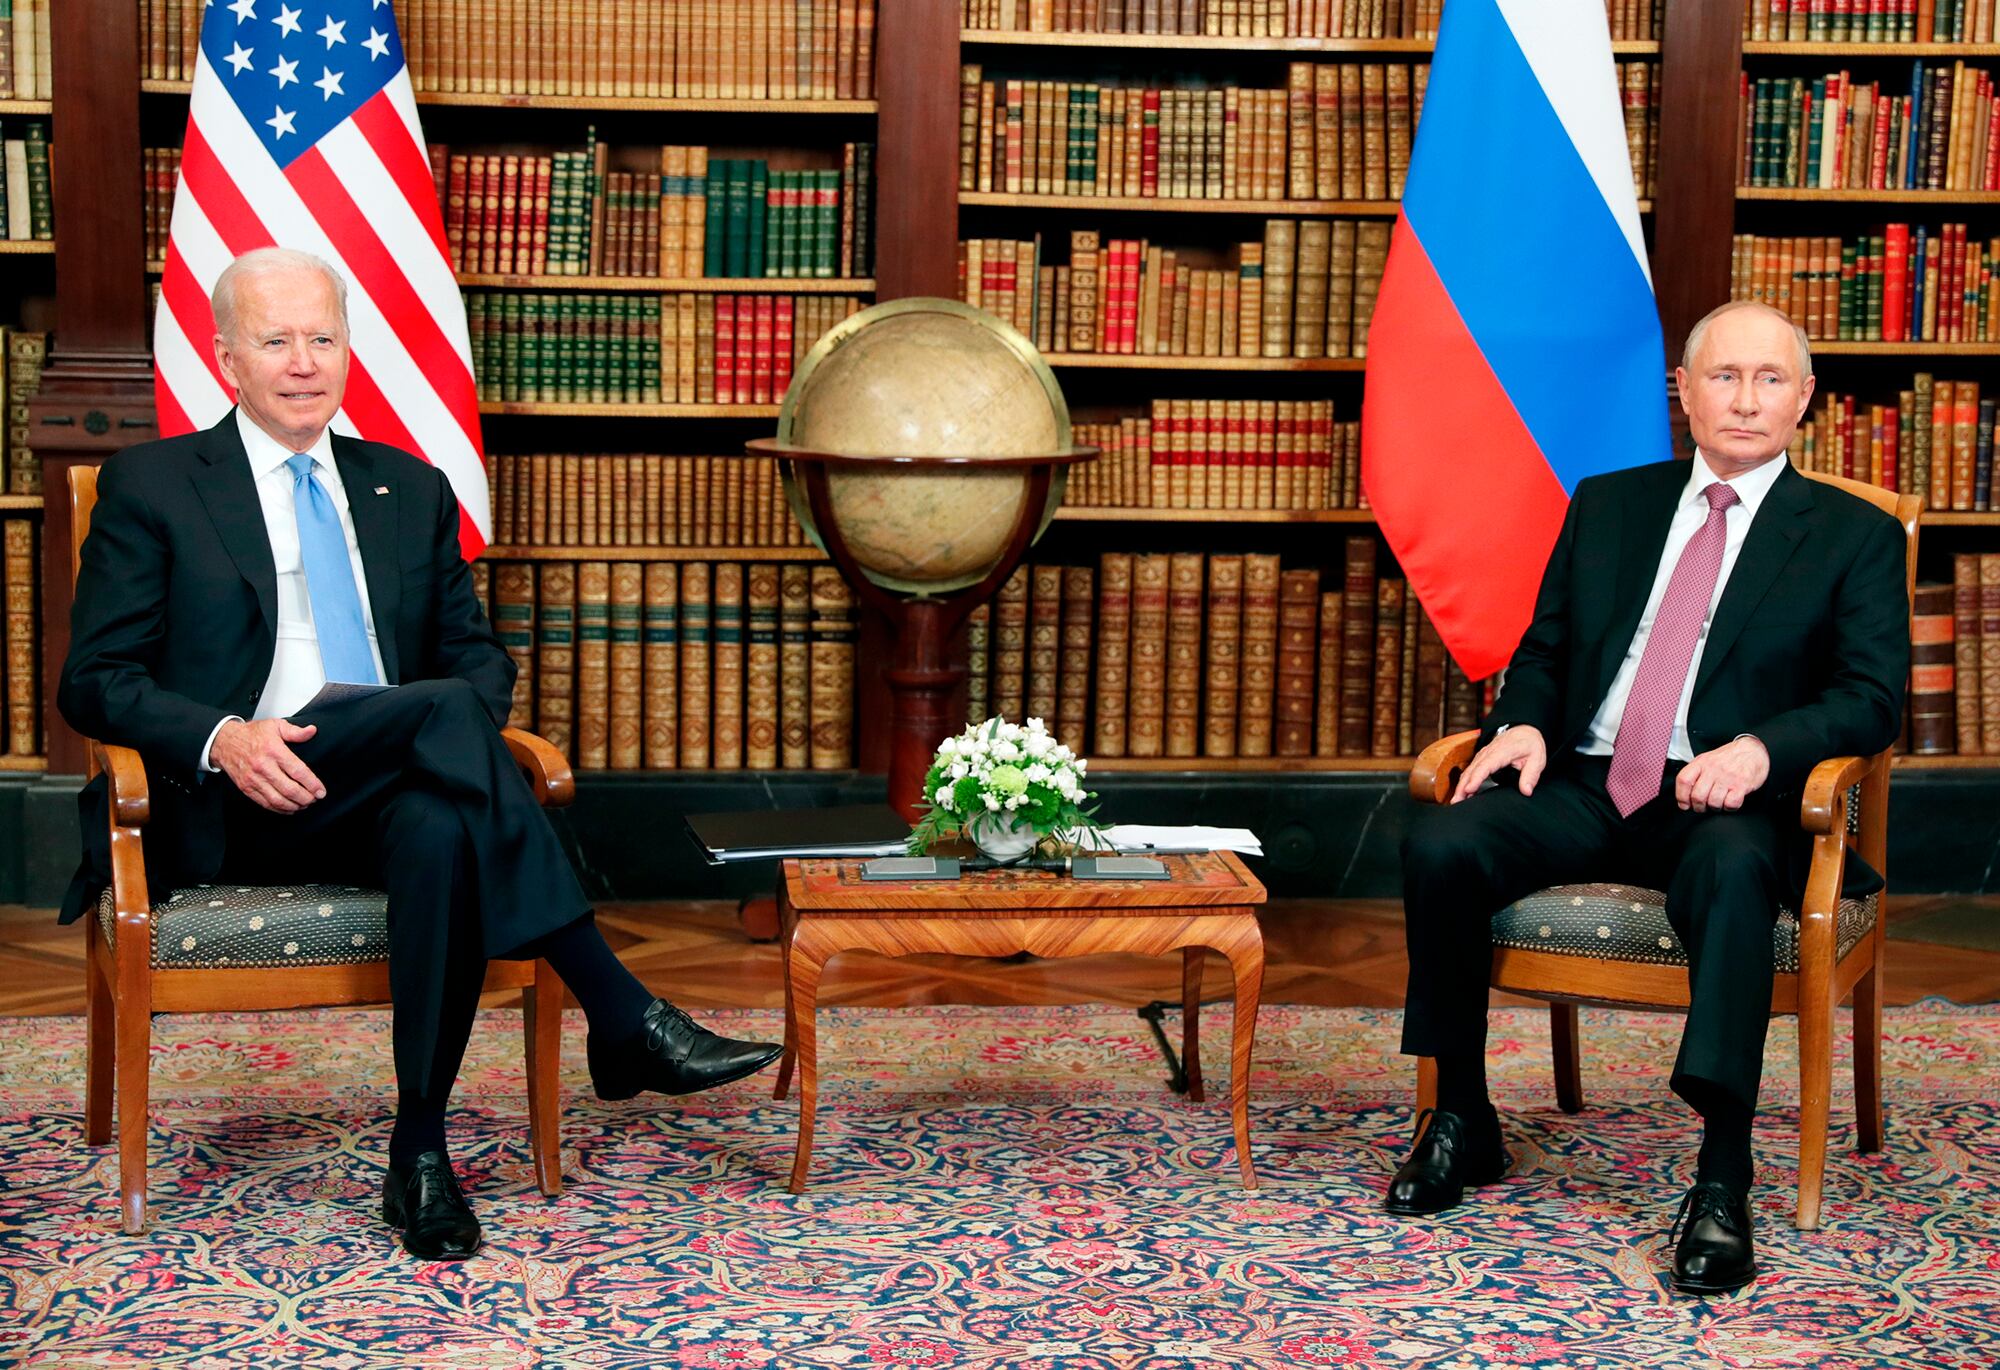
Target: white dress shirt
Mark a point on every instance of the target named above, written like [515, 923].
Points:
[296, 673]
[1689, 515]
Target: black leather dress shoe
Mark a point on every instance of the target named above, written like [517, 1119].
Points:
[1442, 1163]
[424, 1200]
[672, 1054]
[1713, 1254]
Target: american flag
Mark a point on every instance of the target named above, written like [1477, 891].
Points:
[303, 133]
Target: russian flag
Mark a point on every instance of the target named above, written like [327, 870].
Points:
[1515, 347]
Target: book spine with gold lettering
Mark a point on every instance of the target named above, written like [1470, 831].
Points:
[1225, 654]
[1183, 654]
[1388, 667]
[555, 666]
[1989, 653]
[695, 648]
[760, 680]
[1073, 696]
[832, 669]
[1146, 709]
[1357, 656]
[1406, 681]
[1257, 693]
[1326, 699]
[1044, 640]
[979, 663]
[1010, 646]
[628, 590]
[726, 671]
[593, 665]
[23, 696]
[1280, 249]
[1298, 611]
[514, 624]
[1114, 651]
[794, 666]
[660, 620]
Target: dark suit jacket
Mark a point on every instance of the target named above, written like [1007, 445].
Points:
[174, 623]
[1809, 648]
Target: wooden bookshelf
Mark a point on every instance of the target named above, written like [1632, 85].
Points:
[20, 502]
[27, 247]
[699, 285]
[1240, 765]
[1070, 513]
[27, 107]
[1833, 348]
[673, 104]
[1374, 209]
[1946, 763]
[1131, 361]
[1959, 518]
[32, 765]
[1832, 51]
[1883, 197]
[1172, 42]
[630, 411]
[502, 552]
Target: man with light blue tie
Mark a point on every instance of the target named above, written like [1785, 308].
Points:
[233, 573]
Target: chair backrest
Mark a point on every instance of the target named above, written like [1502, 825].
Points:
[82, 499]
[1905, 509]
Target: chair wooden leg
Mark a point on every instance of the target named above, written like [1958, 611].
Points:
[1868, 1058]
[1427, 1082]
[541, 1022]
[1815, 1097]
[133, 1035]
[1568, 1057]
[100, 1013]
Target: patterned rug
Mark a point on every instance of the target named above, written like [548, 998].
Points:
[991, 1188]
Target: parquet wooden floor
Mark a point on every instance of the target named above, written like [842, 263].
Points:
[1332, 952]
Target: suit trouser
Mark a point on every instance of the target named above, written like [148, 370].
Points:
[424, 801]
[1722, 873]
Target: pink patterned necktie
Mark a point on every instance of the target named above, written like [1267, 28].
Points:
[1639, 755]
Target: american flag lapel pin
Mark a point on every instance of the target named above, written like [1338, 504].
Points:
[381, 489]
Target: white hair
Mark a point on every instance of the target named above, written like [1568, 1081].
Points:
[263, 261]
[1699, 333]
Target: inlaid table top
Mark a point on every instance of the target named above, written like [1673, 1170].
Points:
[833, 887]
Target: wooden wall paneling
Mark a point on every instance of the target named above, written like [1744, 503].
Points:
[1701, 57]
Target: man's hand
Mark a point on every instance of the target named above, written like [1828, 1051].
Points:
[258, 758]
[1723, 778]
[1521, 745]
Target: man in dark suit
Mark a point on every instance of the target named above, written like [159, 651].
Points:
[228, 576]
[1705, 633]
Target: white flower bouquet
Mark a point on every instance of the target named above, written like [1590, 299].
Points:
[1007, 787]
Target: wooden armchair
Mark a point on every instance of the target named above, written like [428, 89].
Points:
[207, 950]
[1611, 944]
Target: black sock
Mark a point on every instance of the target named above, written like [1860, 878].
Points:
[419, 1128]
[613, 999]
[1462, 1086]
[1725, 1140]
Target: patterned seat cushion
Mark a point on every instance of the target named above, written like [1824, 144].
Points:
[1626, 923]
[208, 926]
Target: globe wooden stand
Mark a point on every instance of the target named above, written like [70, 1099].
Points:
[921, 678]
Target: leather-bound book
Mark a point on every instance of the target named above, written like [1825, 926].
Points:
[1326, 700]
[1044, 640]
[660, 649]
[726, 669]
[832, 669]
[1183, 712]
[760, 679]
[979, 663]
[1932, 662]
[555, 665]
[1966, 648]
[1388, 667]
[1357, 653]
[1073, 688]
[1147, 697]
[1114, 651]
[514, 624]
[1010, 646]
[1225, 654]
[1298, 644]
[593, 665]
[794, 666]
[628, 675]
[1258, 695]
[695, 647]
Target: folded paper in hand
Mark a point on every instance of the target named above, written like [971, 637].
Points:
[340, 691]
[1135, 837]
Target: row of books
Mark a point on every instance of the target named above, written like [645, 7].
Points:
[566, 213]
[1955, 661]
[25, 69]
[1843, 21]
[678, 348]
[1896, 285]
[1833, 133]
[647, 49]
[1221, 454]
[1218, 655]
[22, 354]
[1935, 440]
[1336, 131]
[27, 208]
[20, 580]
[161, 169]
[688, 665]
[1306, 290]
[1631, 20]
[570, 500]
[1211, 18]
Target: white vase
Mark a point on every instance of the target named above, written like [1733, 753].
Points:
[1003, 837]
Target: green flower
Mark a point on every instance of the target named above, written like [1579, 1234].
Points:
[1007, 781]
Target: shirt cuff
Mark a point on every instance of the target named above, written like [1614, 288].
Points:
[206, 765]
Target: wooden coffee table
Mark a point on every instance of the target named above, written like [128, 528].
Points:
[1209, 903]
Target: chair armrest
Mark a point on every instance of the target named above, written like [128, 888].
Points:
[131, 804]
[1436, 773]
[1829, 780]
[547, 772]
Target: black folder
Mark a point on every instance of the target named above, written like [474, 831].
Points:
[768, 834]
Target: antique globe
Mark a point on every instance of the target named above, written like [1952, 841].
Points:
[924, 445]
[930, 379]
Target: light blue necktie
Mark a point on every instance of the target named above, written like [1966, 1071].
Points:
[336, 604]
